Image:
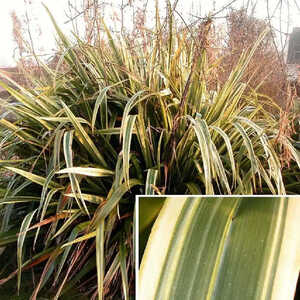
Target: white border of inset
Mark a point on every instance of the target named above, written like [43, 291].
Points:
[137, 241]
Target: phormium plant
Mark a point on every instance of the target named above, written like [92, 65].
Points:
[118, 120]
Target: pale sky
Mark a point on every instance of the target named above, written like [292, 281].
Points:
[7, 46]
[59, 9]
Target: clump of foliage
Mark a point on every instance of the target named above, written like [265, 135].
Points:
[117, 120]
[270, 77]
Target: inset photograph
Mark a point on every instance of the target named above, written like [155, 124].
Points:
[208, 247]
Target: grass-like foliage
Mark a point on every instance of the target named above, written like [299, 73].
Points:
[117, 120]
